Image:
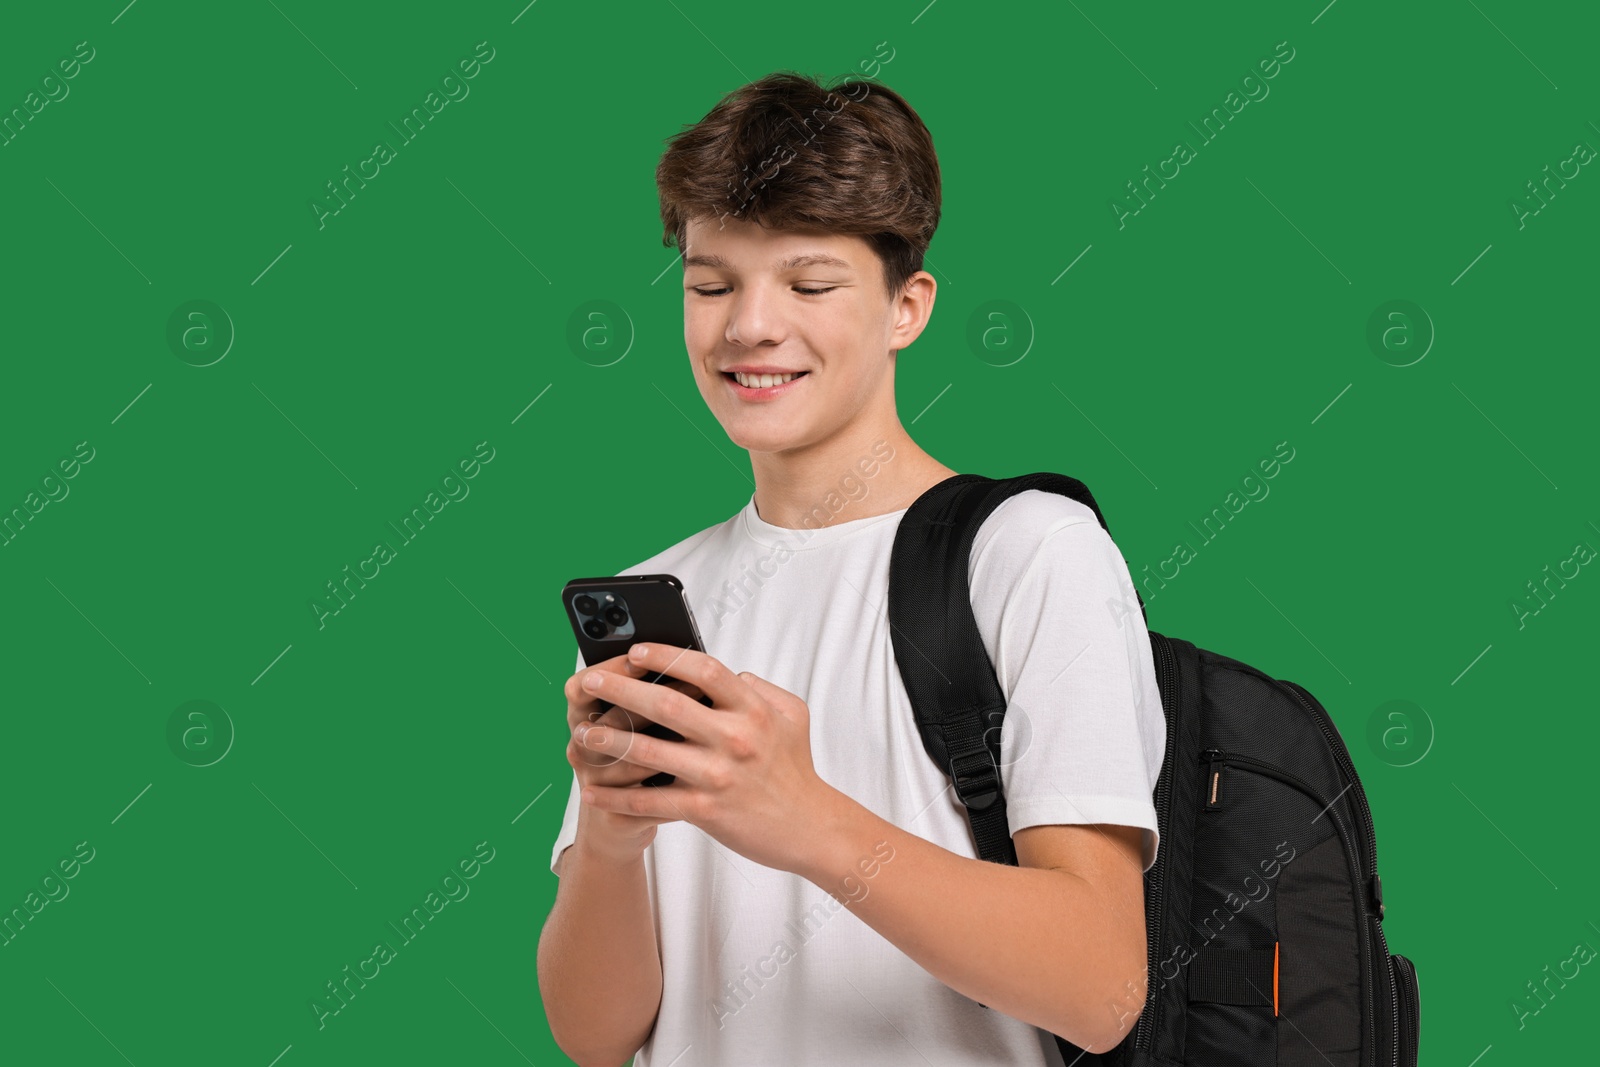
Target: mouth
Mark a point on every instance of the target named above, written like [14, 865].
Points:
[763, 386]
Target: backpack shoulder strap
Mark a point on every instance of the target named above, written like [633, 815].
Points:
[957, 699]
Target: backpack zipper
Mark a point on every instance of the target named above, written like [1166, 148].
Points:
[1394, 996]
[1219, 758]
[1144, 1029]
[1342, 757]
[1375, 884]
[1397, 965]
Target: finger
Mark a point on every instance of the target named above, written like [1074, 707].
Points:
[626, 719]
[619, 664]
[591, 765]
[706, 673]
[661, 802]
[580, 703]
[641, 750]
[656, 703]
[593, 768]
[605, 765]
[655, 677]
[620, 773]
[677, 685]
[620, 728]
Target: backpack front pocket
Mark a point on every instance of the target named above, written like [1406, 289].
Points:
[1276, 975]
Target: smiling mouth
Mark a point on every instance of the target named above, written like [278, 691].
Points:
[732, 375]
[762, 387]
[763, 381]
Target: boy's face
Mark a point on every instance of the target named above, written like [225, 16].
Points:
[746, 304]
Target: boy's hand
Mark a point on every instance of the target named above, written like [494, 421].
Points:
[619, 836]
[744, 770]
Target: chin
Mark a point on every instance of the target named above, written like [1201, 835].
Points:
[765, 440]
[773, 437]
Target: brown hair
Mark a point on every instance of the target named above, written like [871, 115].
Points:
[788, 153]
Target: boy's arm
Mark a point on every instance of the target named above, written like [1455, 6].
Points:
[1058, 942]
[599, 968]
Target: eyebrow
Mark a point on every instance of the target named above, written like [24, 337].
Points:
[806, 259]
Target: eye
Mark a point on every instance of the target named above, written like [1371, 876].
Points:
[798, 289]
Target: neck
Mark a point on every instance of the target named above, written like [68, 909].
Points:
[856, 475]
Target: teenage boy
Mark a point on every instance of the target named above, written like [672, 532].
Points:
[699, 922]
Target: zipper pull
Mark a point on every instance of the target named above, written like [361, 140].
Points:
[1214, 758]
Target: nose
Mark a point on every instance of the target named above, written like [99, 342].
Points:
[755, 317]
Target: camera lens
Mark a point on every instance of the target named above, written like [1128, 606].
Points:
[594, 628]
[615, 615]
[586, 604]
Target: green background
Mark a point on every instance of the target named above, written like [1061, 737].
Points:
[372, 752]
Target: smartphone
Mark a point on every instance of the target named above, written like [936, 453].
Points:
[610, 615]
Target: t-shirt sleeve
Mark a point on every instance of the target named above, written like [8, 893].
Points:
[1084, 732]
[569, 821]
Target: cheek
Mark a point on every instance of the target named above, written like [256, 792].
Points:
[702, 330]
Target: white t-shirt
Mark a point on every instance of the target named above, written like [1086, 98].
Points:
[760, 966]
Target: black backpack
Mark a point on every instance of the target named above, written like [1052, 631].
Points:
[1263, 907]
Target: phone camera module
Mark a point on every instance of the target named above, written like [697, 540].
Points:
[603, 616]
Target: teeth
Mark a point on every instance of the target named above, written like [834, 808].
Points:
[762, 381]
